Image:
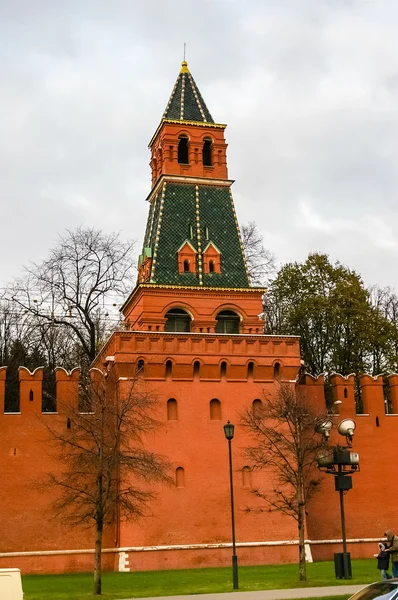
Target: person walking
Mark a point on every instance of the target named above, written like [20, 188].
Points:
[392, 548]
[383, 561]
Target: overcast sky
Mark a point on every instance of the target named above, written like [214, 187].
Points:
[309, 90]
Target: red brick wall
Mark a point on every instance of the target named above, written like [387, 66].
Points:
[197, 513]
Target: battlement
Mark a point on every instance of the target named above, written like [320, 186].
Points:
[364, 395]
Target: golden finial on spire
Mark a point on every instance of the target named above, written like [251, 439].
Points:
[184, 64]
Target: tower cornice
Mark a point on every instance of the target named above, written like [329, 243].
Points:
[188, 290]
[188, 180]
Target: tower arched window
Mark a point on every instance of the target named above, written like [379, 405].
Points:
[140, 367]
[196, 369]
[169, 368]
[183, 146]
[250, 370]
[277, 370]
[211, 266]
[186, 266]
[215, 410]
[227, 322]
[177, 320]
[223, 370]
[207, 153]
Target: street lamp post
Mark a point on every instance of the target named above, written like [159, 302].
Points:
[340, 462]
[229, 434]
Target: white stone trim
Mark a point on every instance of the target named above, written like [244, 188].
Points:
[128, 549]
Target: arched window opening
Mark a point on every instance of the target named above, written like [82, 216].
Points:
[345, 393]
[377, 422]
[227, 322]
[196, 369]
[211, 266]
[180, 477]
[177, 320]
[207, 153]
[223, 370]
[183, 150]
[250, 370]
[277, 370]
[169, 368]
[31, 396]
[68, 423]
[215, 410]
[257, 407]
[172, 410]
[140, 367]
[246, 477]
[186, 266]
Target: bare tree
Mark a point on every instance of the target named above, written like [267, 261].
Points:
[105, 465]
[71, 289]
[284, 440]
[260, 261]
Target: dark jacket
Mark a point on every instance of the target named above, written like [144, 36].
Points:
[392, 547]
[383, 560]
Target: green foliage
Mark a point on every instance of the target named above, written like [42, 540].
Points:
[328, 306]
[144, 584]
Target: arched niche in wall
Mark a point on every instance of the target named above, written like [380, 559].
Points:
[196, 369]
[172, 409]
[246, 477]
[180, 477]
[257, 407]
[215, 410]
[169, 369]
[250, 370]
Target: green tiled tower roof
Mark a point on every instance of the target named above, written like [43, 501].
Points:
[186, 102]
[198, 214]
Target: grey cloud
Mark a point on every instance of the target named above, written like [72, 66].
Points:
[308, 89]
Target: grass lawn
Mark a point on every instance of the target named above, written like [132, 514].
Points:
[191, 581]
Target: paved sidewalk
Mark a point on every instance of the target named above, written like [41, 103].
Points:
[288, 594]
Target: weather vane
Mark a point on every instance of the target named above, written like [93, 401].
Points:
[185, 46]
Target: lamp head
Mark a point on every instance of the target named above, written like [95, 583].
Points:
[324, 428]
[346, 428]
[229, 430]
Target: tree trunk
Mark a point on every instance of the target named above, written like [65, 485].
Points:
[301, 532]
[97, 561]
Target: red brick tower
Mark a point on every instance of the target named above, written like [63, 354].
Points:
[193, 335]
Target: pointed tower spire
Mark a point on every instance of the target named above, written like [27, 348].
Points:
[186, 102]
